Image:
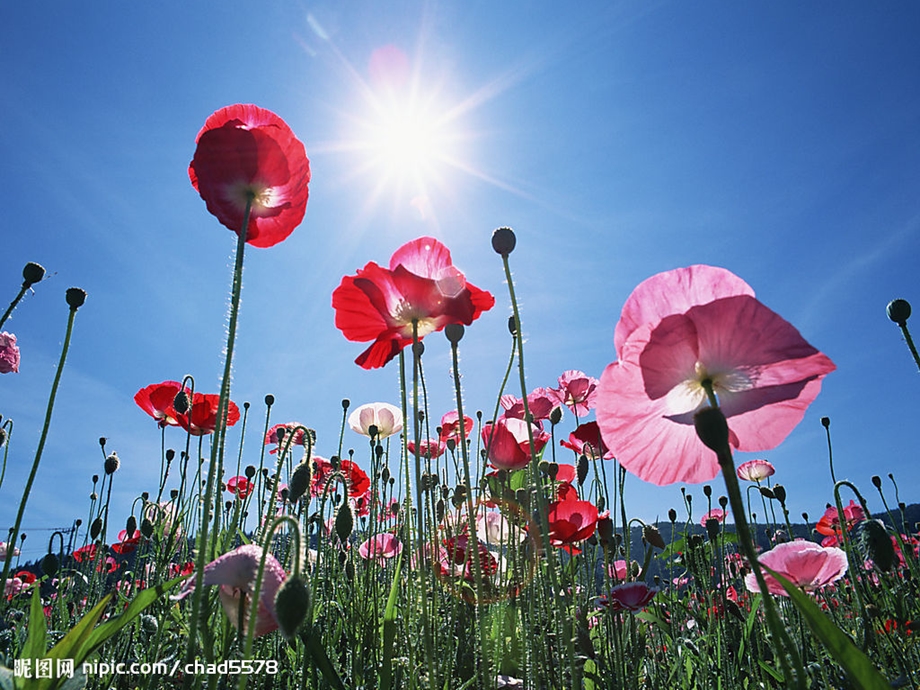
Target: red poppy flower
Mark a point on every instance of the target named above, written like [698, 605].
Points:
[177, 569]
[630, 596]
[688, 327]
[201, 419]
[157, 400]
[359, 483]
[240, 486]
[830, 523]
[85, 553]
[126, 544]
[245, 152]
[421, 285]
[571, 521]
[508, 444]
[587, 440]
[26, 576]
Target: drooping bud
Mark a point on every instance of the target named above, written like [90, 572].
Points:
[344, 521]
[512, 325]
[95, 528]
[131, 526]
[651, 534]
[672, 515]
[300, 481]
[899, 311]
[503, 241]
[181, 402]
[780, 492]
[292, 603]
[875, 544]
[582, 469]
[555, 416]
[50, 565]
[605, 530]
[146, 528]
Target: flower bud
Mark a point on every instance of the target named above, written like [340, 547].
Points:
[454, 332]
[826, 422]
[292, 603]
[269, 400]
[31, 274]
[582, 469]
[712, 428]
[146, 528]
[780, 492]
[672, 515]
[112, 463]
[503, 241]
[899, 311]
[555, 416]
[651, 534]
[876, 481]
[95, 528]
[131, 526]
[75, 298]
[512, 325]
[344, 521]
[181, 402]
[50, 565]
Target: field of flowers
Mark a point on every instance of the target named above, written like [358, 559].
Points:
[477, 550]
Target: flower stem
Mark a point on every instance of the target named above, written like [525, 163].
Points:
[907, 338]
[217, 448]
[14, 534]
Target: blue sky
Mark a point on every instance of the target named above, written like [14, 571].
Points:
[779, 140]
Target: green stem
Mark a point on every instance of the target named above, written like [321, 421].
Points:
[9, 309]
[907, 338]
[217, 448]
[14, 534]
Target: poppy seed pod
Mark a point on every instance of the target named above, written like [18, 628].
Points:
[672, 515]
[503, 241]
[292, 603]
[555, 416]
[454, 332]
[181, 402]
[712, 428]
[75, 298]
[269, 400]
[826, 422]
[32, 273]
[899, 311]
[651, 534]
[112, 463]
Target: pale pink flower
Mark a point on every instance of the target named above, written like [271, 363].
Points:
[387, 418]
[9, 354]
[540, 403]
[755, 470]
[804, 563]
[236, 573]
[380, 548]
[682, 329]
[5, 552]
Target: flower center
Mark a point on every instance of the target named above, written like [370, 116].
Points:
[690, 394]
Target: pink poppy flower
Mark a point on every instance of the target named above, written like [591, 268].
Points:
[380, 548]
[540, 403]
[421, 285]
[804, 563]
[716, 514]
[157, 400]
[577, 391]
[244, 152]
[386, 417]
[201, 418]
[273, 434]
[6, 552]
[9, 354]
[587, 440]
[450, 426]
[236, 573]
[427, 448]
[629, 596]
[755, 470]
[508, 445]
[618, 570]
[239, 486]
[571, 521]
[689, 326]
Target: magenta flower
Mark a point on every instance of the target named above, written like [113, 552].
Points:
[380, 548]
[577, 391]
[629, 596]
[450, 426]
[507, 443]
[755, 470]
[618, 570]
[804, 563]
[540, 403]
[236, 574]
[9, 354]
[689, 327]
[587, 440]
